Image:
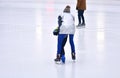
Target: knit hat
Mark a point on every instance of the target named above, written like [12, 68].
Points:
[67, 9]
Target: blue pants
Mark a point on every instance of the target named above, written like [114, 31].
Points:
[60, 42]
[63, 45]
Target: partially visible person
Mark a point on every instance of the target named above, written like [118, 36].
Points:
[63, 42]
[67, 28]
[81, 7]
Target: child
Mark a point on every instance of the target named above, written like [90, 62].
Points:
[62, 54]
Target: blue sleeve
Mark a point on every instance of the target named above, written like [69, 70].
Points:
[59, 21]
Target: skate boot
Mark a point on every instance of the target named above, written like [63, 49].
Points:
[58, 58]
[73, 56]
[63, 59]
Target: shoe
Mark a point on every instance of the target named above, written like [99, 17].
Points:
[58, 58]
[73, 56]
[83, 24]
[78, 25]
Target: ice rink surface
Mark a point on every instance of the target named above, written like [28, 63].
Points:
[28, 47]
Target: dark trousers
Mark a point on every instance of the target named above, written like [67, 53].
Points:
[81, 17]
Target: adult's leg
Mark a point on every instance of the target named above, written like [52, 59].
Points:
[81, 16]
[72, 46]
[71, 36]
[63, 44]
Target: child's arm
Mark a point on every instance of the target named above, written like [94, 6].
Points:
[59, 21]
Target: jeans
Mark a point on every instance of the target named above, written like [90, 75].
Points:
[60, 42]
[63, 44]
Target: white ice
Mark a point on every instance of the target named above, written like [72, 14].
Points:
[28, 47]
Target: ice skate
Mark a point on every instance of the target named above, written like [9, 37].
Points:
[81, 25]
[73, 56]
[58, 59]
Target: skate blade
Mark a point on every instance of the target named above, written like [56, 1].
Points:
[80, 27]
[60, 62]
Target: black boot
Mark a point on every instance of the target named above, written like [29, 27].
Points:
[73, 56]
[57, 60]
